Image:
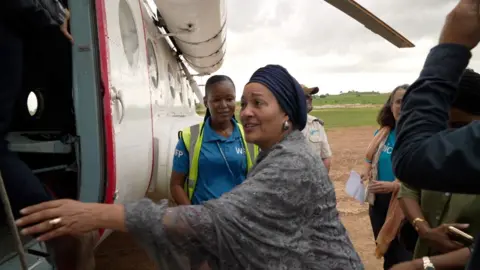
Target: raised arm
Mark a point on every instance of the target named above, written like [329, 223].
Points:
[427, 155]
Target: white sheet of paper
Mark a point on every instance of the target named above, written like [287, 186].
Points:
[355, 188]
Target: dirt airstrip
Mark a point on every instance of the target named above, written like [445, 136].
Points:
[119, 252]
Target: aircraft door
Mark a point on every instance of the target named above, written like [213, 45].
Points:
[130, 98]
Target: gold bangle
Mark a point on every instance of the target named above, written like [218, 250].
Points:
[414, 222]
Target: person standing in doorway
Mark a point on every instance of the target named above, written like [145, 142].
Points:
[19, 21]
[314, 130]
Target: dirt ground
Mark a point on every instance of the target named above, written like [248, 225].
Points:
[348, 145]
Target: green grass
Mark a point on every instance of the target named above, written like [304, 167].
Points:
[342, 117]
[341, 99]
[351, 98]
[347, 117]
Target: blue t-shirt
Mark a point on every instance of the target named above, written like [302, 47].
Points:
[214, 177]
[385, 168]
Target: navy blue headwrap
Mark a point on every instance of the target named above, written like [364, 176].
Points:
[286, 90]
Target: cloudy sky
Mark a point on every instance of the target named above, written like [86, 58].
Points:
[321, 46]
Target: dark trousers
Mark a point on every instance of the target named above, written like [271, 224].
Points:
[396, 252]
[22, 186]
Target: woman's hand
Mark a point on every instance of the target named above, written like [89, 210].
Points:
[438, 238]
[366, 173]
[64, 26]
[57, 218]
[383, 187]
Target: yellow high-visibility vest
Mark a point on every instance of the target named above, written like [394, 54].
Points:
[192, 138]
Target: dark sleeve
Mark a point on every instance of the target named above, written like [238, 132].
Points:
[426, 155]
[35, 14]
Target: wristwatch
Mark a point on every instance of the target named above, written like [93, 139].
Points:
[427, 264]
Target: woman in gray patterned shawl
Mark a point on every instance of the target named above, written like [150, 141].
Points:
[283, 216]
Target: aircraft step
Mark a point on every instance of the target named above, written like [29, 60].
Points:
[35, 255]
[23, 142]
[7, 248]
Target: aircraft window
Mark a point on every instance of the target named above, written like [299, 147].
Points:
[181, 97]
[180, 88]
[128, 32]
[171, 81]
[34, 103]
[179, 82]
[172, 91]
[152, 63]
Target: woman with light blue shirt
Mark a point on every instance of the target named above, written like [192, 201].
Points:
[381, 179]
[213, 157]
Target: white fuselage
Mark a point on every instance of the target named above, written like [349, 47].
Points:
[149, 97]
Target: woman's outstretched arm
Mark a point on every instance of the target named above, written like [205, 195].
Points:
[167, 233]
[172, 234]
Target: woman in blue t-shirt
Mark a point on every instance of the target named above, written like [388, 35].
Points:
[379, 172]
[221, 160]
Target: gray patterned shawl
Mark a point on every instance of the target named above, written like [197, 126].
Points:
[283, 216]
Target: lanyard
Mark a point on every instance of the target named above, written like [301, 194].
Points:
[226, 161]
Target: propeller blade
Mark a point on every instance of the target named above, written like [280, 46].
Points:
[372, 22]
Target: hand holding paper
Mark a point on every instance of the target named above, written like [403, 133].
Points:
[355, 188]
